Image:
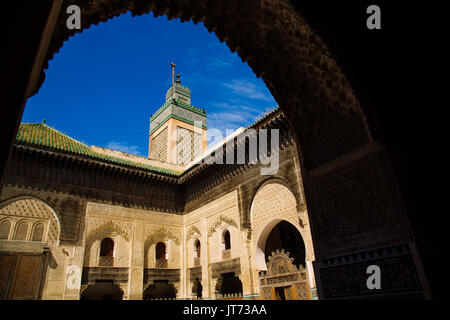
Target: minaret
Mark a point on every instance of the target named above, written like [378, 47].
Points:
[177, 129]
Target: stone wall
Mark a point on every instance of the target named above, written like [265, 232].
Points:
[243, 204]
[207, 224]
[135, 233]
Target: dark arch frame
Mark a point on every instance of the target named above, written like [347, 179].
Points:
[296, 233]
[170, 291]
[298, 106]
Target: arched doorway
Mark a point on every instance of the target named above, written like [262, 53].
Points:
[160, 289]
[229, 284]
[102, 290]
[330, 135]
[275, 214]
[284, 236]
[281, 262]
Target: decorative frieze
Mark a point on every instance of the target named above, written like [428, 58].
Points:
[356, 207]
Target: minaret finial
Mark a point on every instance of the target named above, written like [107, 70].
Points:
[173, 72]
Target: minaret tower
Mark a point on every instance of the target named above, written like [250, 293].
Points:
[177, 129]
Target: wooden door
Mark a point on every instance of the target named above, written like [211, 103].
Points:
[22, 275]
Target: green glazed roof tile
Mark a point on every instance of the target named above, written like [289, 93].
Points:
[40, 134]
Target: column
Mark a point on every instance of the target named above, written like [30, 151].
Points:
[136, 276]
[183, 266]
[207, 284]
[246, 264]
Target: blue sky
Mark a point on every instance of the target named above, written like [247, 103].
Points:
[104, 83]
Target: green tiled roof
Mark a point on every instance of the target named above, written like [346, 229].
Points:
[40, 134]
[178, 102]
[182, 87]
[264, 117]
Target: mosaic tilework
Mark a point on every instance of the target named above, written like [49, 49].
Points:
[188, 145]
[159, 145]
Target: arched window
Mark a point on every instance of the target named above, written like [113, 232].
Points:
[21, 231]
[38, 232]
[161, 255]
[107, 248]
[160, 250]
[5, 227]
[197, 253]
[197, 248]
[106, 253]
[44, 227]
[226, 243]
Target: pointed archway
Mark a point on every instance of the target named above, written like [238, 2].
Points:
[350, 190]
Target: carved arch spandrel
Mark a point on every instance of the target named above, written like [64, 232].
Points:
[108, 227]
[193, 232]
[273, 200]
[161, 234]
[218, 222]
[101, 230]
[32, 207]
[300, 202]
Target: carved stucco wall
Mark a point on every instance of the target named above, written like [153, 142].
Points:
[211, 220]
[120, 223]
[135, 232]
[96, 230]
[189, 145]
[33, 212]
[273, 203]
[30, 212]
[170, 236]
[69, 209]
[160, 145]
[178, 232]
[207, 224]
